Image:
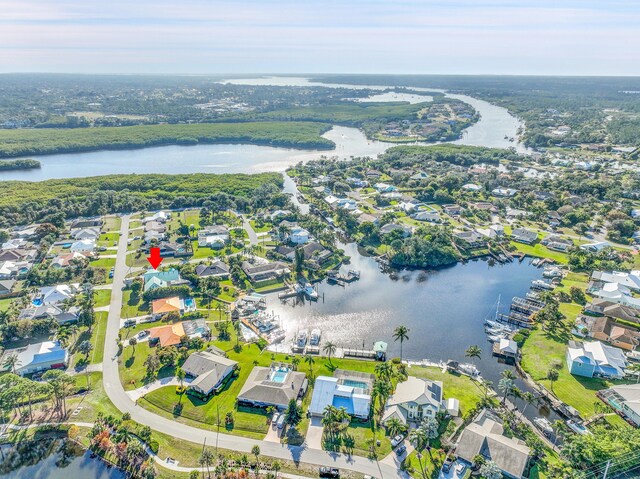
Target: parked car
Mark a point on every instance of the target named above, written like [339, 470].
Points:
[460, 469]
[144, 334]
[446, 465]
[329, 472]
[401, 450]
[274, 418]
[280, 422]
[397, 440]
[129, 323]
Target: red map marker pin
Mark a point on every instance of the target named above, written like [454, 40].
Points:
[154, 257]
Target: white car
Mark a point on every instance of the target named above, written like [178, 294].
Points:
[397, 440]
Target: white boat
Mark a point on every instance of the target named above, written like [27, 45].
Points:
[535, 262]
[543, 424]
[277, 335]
[469, 369]
[301, 340]
[492, 324]
[309, 292]
[540, 284]
[494, 338]
[578, 427]
[314, 339]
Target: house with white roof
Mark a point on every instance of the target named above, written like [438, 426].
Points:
[629, 280]
[160, 216]
[215, 237]
[504, 192]
[347, 389]
[83, 246]
[14, 269]
[299, 235]
[595, 359]
[471, 187]
[56, 294]
[413, 400]
[384, 188]
[38, 357]
[624, 399]
[595, 247]
[85, 233]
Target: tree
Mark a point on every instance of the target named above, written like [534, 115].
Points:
[309, 360]
[490, 470]
[206, 459]
[12, 362]
[293, 414]
[401, 333]
[255, 450]
[85, 348]
[132, 342]
[430, 427]
[330, 349]
[506, 386]
[552, 376]
[152, 364]
[473, 352]
[61, 385]
[395, 426]
[180, 374]
[294, 362]
[418, 438]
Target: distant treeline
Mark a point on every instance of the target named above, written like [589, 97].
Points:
[27, 164]
[55, 200]
[304, 135]
[409, 155]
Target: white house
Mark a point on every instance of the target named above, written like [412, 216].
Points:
[630, 280]
[298, 235]
[85, 245]
[213, 237]
[384, 188]
[413, 400]
[56, 294]
[471, 187]
[505, 192]
[85, 233]
[39, 357]
[160, 216]
[353, 395]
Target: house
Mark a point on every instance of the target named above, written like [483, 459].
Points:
[504, 192]
[604, 307]
[595, 247]
[6, 287]
[208, 371]
[172, 249]
[279, 214]
[161, 279]
[470, 239]
[419, 176]
[66, 260]
[38, 357]
[172, 304]
[86, 223]
[557, 243]
[630, 280]
[614, 292]
[348, 389]
[154, 237]
[56, 294]
[83, 246]
[172, 334]
[14, 243]
[485, 437]
[265, 271]
[471, 187]
[413, 400]
[357, 182]
[57, 312]
[384, 188]
[214, 237]
[298, 235]
[367, 218]
[432, 216]
[595, 359]
[85, 233]
[217, 269]
[607, 330]
[514, 213]
[18, 254]
[160, 217]
[452, 210]
[390, 227]
[522, 235]
[14, 269]
[155, 226]
[273, 386]
[625, 400]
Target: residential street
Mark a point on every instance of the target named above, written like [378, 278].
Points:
[124, 403]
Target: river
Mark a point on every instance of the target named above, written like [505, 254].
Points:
[494, 125]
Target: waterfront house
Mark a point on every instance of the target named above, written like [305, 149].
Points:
[625, 400]
[272, 386]
[348, 389]
[595, 247]
[388, 228]
[413, 400]
[522, 235]
[38, 357]
[606, 329]
[83, 246]
[217, 269]
[209, 372]
[485, 437]
[214, 237]
[470, 239]
[630, 280]
[265, 271]
[595, 359]
[612, 309]
[557, 243]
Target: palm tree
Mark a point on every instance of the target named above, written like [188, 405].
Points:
[11, 362]
[528, 398]
[206, 460]
[309, 360]
[430, 427]
[238, 330]
[506, 386]
[418, 438]
[330, 349]
[294, 362]
[401, 333]
[395, 426]
[384, 371]
[255, 450]
[180, 374]
[635, 368]
[132, 342]
[473, 352]
[552, 376]
[381, 391]
[276, 467]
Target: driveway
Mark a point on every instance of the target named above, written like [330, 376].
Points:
[453, 474]
[313, 439]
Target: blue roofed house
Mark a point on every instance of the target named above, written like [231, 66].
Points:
[595, 359]
[347, 389]
[161, 279]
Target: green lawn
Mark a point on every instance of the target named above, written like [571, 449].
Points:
[108, 239]
[541, 251]
[5, 303]
[102, 297]
[132, 309]
[260, 229]
[112, 223]
[97, 338]
[104, 263]
[92, 403]
[132, 369]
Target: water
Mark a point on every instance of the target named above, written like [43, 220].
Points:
[495, 123]
[59, 466]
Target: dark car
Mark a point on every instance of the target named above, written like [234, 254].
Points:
[329, 472]
[401, 450]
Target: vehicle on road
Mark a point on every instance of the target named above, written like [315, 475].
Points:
[329, 472]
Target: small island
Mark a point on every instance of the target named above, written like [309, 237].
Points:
[25, 164]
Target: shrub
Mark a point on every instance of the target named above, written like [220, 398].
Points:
[154, 446]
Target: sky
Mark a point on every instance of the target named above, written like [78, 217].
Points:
[561, 37]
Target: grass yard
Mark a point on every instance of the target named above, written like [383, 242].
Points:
[97, 338]
[108, 239]
[93, 402]
[5, 303]
[112, 223]
[541, 251]
[102, 297]
[132, 368]
[132, 309]
[260, 229]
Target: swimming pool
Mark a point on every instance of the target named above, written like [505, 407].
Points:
[355, 384]
[37, 302]
[279, 376]
[190, 303]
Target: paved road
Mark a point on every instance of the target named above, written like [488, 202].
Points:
[253, 237]
[124, 403]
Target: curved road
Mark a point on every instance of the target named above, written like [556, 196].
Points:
[116, 393]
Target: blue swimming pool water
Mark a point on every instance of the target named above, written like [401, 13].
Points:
[345, 402]
[279, 376]
[37, 302]
[189, 302]
[354, 384]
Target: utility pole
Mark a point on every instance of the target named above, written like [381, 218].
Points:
[606, 469]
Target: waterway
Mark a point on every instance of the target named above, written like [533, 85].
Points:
[494, 125]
